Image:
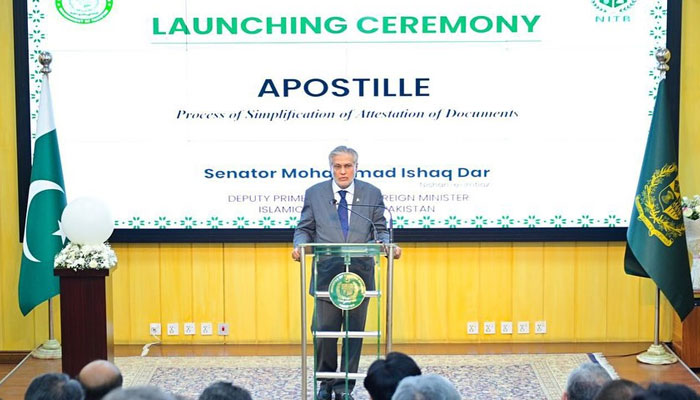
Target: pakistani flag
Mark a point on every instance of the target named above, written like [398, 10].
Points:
[656, 246]
[43, 236]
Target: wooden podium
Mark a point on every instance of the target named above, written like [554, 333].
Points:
[686, 336]
[86, 318]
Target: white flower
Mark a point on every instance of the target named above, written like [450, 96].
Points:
[78, 257]
[687, 212]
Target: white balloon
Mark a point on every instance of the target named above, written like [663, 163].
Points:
[87, 220]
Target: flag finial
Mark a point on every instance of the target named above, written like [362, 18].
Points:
[45, 59]
[663, 56]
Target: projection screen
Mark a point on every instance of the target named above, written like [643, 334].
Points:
[209, 115]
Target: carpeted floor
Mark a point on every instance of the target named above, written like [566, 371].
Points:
[501, 376]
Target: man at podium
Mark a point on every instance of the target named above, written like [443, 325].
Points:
[328, 216]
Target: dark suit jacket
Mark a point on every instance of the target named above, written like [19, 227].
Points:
[319, 223]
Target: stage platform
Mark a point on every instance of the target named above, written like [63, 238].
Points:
[620, 355]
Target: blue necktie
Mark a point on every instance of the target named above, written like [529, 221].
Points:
[343, 213]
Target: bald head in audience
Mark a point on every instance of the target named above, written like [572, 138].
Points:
[99, 378]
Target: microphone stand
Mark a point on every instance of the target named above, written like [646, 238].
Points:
[374, 227]
[391, 217]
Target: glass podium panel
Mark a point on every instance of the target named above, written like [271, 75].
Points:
[345, 276]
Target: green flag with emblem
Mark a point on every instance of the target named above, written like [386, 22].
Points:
[656, 246]
[43, 236]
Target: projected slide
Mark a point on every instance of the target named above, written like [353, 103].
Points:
[216, 115]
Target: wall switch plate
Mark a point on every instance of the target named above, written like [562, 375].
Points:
[189, 328]
[206, 329]
[506, 328]
[540, 327]
[154, 328]
[472, 328]
[489, 328]
[523, 327]
[223, 329]
[173, 329]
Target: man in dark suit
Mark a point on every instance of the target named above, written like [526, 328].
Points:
[326, 218]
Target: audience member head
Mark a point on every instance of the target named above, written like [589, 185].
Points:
[585, 382]
[667, 391]
[425, 387]
[139, 393]
[384, 375]
[99, 378]
[54, 386]
[224, 391]
[618, 389]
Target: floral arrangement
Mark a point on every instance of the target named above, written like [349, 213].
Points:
[691, 207]
[85, 256]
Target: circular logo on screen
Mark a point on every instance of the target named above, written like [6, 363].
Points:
[346, 290]
[617, 6]
[84, 11]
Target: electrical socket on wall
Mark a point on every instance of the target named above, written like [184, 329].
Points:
[173, 329]
[206, 329]
[506, 328]
[223, 329]
[489, 328]
[472, 328]
[540, 327]
[523, 327]
[154, 328]
[189, 328]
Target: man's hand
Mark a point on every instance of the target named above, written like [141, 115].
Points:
[296, 254]
[397, 251]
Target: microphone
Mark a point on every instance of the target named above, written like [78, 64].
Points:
[374, 227]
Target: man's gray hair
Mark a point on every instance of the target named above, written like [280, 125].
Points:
[139, 393]
[342, 150]
[425, 387]
[585, 382]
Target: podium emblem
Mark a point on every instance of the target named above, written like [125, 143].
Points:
[347, 291]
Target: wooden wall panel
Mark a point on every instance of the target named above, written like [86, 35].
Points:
[120, 288]
[273, 289]
[622, 315]
[528, 287]
[207, 289]
[559, 286]
[16, 331]
[405, 293]
[495, 289]
[462, 285]
[689, 137]
[240, 293]
[430, 292]
[176, 289]
[144, 298]
[591, 291]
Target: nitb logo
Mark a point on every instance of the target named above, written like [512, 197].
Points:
[84, 11]
[613, 6]
[613, 10]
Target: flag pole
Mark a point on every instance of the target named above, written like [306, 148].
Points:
[657, 354]
[50, 349]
